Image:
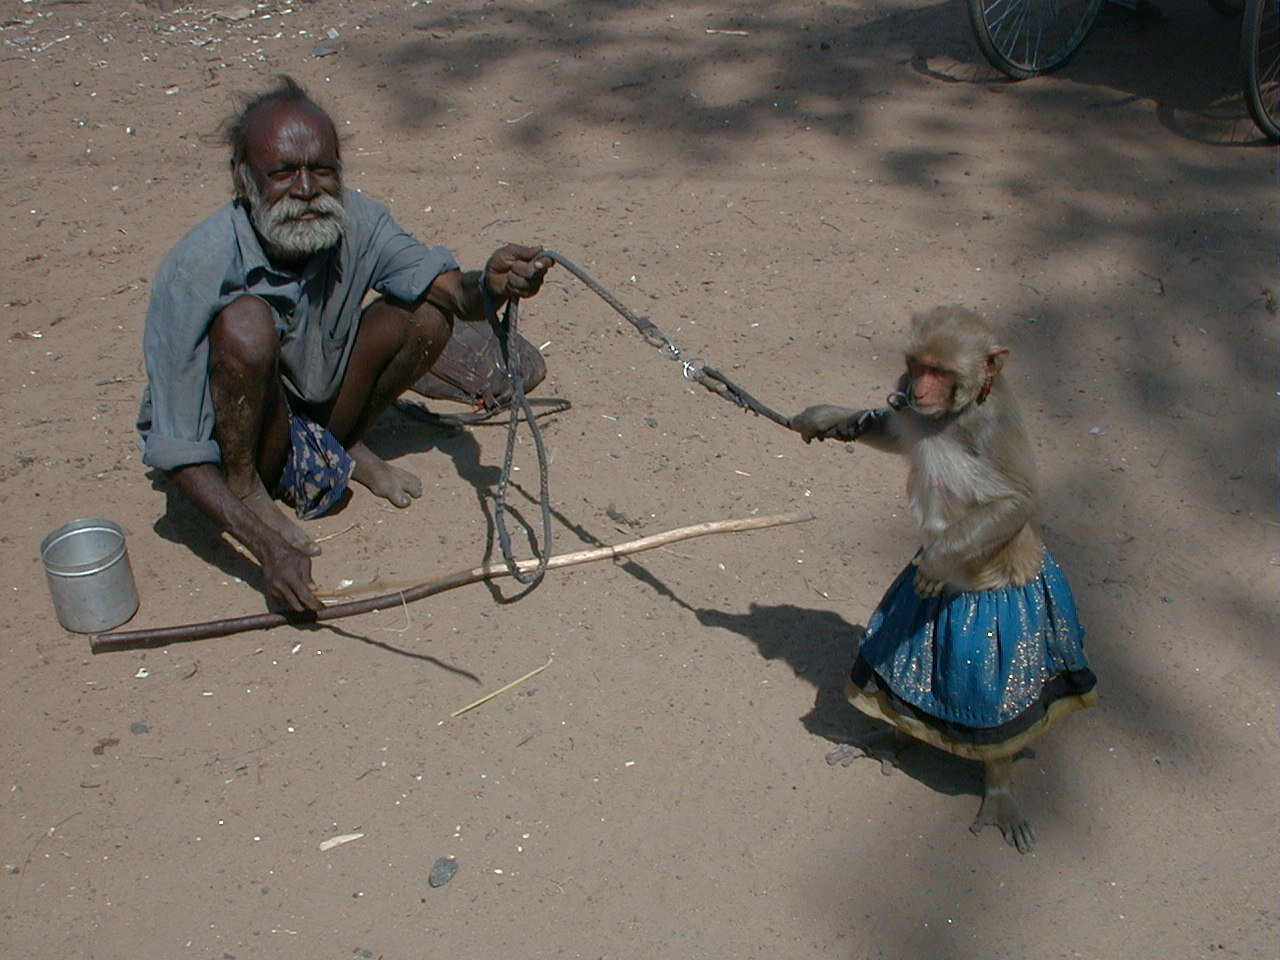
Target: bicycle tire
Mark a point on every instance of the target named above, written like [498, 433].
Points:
[1027, 38]
[1260, 56]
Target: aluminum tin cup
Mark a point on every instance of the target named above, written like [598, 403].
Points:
[87, 565]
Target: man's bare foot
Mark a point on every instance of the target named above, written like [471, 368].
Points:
[399, 487]
[265, 509]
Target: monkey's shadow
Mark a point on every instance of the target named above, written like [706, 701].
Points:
[819, 646]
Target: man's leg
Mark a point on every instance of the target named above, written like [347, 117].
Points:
[396, 345]
[252, 425]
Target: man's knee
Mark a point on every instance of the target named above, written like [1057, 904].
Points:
[431, 326]
[243, 336]
[416, 335]
[431, 330]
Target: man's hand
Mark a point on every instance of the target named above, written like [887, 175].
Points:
[515, 271]
[819, 422]
[287, 572]
[282, 550]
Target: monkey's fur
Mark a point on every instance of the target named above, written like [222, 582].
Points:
[972, 484]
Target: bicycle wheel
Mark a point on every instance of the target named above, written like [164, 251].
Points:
[1260, 53]
[1025, 38]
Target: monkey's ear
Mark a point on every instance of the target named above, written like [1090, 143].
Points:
[995, 360]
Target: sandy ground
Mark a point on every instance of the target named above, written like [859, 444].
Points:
[778, 186]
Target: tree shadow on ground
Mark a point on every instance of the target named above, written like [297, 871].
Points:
[695, 88]
[712, 80]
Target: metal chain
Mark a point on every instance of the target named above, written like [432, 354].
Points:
[694, 368]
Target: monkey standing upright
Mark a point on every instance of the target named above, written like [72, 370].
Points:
[976, 647]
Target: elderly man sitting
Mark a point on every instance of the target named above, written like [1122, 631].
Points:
[264, 370]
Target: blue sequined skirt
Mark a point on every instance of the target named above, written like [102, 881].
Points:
[979, 667]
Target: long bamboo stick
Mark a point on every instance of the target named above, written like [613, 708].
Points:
[160, 636]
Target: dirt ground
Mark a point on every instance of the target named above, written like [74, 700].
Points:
[778, 186]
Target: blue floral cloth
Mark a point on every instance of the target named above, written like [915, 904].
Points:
[318, 470]
[965, 663]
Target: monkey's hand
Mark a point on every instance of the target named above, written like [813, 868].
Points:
[931, 574]
[827, 422]
[928, 587]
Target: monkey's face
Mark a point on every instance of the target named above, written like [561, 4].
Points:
[930, 385]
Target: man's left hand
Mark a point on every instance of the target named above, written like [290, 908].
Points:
[515, 271]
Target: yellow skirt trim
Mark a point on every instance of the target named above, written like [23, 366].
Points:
[877, 705]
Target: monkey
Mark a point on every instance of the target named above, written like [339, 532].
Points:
[976, 648]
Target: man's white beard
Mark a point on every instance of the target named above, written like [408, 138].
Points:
[284, 234]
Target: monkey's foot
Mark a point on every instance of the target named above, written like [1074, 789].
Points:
[845, 753]
[265, 509]
[399, 487]
[999, 809]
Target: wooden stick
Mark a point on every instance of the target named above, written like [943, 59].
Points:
[160, 636]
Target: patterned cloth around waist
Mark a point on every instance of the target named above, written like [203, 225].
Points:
[317, 472]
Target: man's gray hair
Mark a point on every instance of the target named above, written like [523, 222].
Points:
[234, 129]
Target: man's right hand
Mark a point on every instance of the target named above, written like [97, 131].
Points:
[287, 572]
[254, 520]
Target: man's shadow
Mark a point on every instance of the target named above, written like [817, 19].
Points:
[183, 524]
[393, 436]
[820, 647]
[402, 430]
[409, 425]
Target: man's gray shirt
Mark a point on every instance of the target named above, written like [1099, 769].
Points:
[317, 314]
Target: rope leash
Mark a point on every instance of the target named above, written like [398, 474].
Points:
[505, 328]
[694, 369]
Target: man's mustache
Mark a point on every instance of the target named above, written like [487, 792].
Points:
[291, 209]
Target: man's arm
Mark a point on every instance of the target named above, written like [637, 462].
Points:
[285, 568]
[512, 271]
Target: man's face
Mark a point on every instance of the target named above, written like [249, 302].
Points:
[292, 179]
